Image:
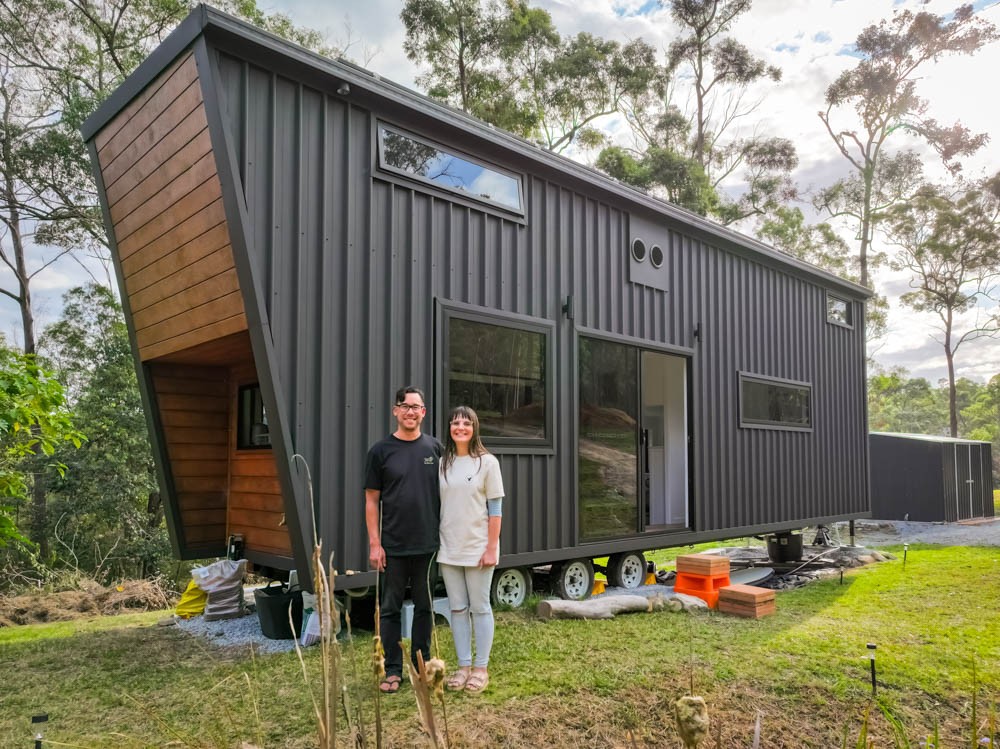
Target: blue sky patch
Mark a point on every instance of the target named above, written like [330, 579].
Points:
[784, 47]
[645, 9]
[822, 37]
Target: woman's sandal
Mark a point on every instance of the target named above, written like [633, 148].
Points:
[390, 684]
[457, 681]
[476, 683]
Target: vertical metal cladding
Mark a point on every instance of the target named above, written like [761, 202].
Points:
[352, 262]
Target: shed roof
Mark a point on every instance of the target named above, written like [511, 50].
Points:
[221, 27]
[930, 438]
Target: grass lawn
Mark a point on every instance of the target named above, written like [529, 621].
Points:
[124, 682]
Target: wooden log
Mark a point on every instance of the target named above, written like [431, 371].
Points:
[596, 608]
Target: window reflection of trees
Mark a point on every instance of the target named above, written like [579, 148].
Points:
[500, 372]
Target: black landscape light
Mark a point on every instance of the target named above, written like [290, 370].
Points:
[38, 719]
[871, 658]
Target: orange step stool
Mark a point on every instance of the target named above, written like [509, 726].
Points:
[705, 587]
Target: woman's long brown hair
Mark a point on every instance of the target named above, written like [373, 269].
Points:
[476, 447]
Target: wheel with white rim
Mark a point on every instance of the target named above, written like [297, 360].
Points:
[511, 587]
[627, 570]
[573, 580]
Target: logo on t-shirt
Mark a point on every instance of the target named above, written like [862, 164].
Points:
[429, 461]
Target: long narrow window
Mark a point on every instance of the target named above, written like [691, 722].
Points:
[775, 404]
[416, 158]
[503, 372]
[252, 431]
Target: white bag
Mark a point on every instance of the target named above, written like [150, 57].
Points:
[222, 574]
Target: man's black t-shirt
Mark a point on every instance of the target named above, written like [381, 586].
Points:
[406, 474]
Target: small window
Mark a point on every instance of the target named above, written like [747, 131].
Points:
[778, 404]
[252, 432]
[838, 311]
[502, 372]
[414, 157]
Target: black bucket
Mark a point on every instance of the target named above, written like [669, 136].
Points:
[785, 547]
[272, 611]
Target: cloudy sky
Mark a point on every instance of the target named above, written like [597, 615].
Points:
[810, 40]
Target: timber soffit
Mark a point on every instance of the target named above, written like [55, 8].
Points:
[205, 19]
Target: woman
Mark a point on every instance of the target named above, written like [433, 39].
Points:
[471, 494]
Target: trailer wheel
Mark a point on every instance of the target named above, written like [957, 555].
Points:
[573, 580]
[627, 570]
[511, 587]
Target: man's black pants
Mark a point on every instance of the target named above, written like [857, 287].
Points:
[400, 572]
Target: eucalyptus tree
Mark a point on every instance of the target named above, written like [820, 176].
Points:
[950, 245]
[506, 63]
[878, 97]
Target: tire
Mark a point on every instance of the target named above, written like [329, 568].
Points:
[627, 570]
[573, 580]
[511, 587]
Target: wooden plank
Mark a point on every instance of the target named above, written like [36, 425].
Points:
[182, 436]
[201, 500]
[230, 348]
[256, 518]
[200, 517]
[116, 163]
[214, 241]
[202, 196]
[189, 178]
[185, 146]
[193, 338]
[197, 452]
[184, 67]
[257, 538]
[254, 485]
[250, 468]
[703, 564]
[199, 419]
[199, 468]
[191, 386]
[200, 484]
[205, 533]
[171, 286]
[190, 229]
[180, 402]
[248, 501]
[199, 292]
[192, 319]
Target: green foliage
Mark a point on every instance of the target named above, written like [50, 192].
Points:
[679, 179]
[33, 420]
[106, 516]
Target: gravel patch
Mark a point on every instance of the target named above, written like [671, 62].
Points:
[241, 632]
[882, 532]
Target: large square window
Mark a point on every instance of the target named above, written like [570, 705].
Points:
[774, 404]
[502, 371]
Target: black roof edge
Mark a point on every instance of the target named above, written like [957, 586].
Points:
[207, 18]
[159, 59]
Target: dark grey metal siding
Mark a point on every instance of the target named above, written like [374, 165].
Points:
[930, 480]
[351, 263]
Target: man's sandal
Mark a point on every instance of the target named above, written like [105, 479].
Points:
[390, 684]
[457, 681]
[476, 683]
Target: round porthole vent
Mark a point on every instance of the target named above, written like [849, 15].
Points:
[656, 256]
[638, 250]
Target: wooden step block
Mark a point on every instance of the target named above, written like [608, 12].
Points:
[747, 610]
[745, 594]
[703, 564]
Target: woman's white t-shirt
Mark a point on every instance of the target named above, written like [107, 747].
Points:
[465, 488]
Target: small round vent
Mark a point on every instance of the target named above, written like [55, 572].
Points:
[656, 256]
[638, 249]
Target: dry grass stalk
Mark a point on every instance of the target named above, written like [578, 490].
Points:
[428, 682]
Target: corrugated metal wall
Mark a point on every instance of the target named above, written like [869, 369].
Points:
[351, 263]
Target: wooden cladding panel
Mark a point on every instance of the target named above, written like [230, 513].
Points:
[194, 410]
[165, 201]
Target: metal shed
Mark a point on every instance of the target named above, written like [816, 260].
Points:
[295, 238]
[928, 478]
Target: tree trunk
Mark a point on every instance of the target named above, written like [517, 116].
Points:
[596, 608]
[949, 354]
[866, 224]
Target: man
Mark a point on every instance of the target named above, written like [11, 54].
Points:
[401, 475]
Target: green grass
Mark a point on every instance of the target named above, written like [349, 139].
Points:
[126, 683]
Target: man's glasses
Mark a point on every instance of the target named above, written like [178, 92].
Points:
[410, 407]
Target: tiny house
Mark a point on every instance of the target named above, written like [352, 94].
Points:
[929, 478]
[295, 238]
